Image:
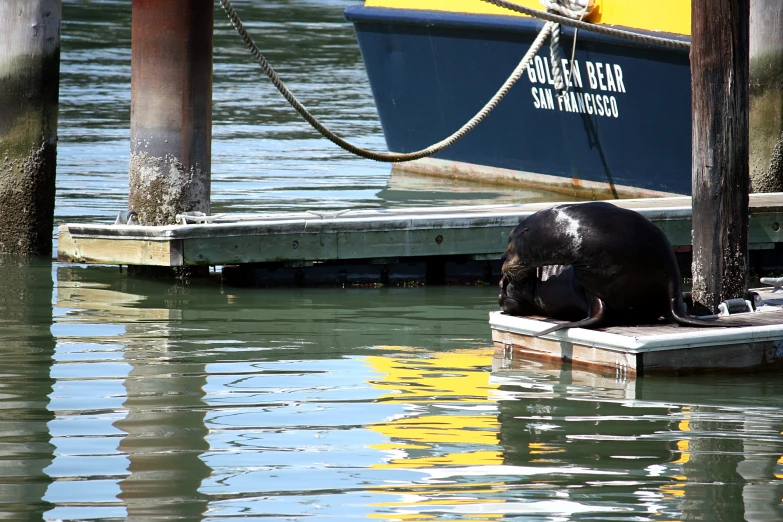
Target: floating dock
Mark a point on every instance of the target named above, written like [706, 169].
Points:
[660, 348]
[377, 244]
[366, 236]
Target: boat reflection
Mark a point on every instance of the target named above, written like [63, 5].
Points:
[450, 421]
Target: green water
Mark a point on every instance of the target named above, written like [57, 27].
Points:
[128, 398]
[124, 398]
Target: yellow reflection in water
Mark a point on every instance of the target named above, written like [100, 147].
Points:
[462, 375]
[468, 429]
[540, 448]
[471, 458]
[445, 379]
[677, 490]
[683, 445]
[449, 402]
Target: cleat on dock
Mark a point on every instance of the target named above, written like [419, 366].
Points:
[776, 282]
[127, 217]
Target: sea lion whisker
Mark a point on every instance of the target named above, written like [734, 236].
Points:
[515, 273]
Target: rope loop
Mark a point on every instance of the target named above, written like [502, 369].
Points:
[576, 9]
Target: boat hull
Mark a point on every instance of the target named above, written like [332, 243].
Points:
[622, 128]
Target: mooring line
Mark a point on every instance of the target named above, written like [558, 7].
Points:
[391, 157]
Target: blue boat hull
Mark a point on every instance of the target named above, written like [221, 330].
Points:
[623, 124]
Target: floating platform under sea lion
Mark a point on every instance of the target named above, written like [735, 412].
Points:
[658, 348]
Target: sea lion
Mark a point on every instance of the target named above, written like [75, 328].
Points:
[624, 262]
[551, 291]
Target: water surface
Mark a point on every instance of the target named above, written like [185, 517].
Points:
[125, 398]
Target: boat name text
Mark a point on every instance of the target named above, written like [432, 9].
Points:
[600, 77]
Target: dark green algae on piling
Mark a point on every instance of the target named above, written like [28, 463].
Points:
[28, 153]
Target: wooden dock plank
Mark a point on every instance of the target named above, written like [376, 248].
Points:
[126, 252]
[361, 234]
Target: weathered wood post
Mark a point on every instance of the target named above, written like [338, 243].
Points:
[721, 181]
[29, 89]
[766, 95]
[171, 108]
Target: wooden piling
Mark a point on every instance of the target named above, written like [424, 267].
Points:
[29, 87]
[171, 108]
[721, 181]
[766, 95]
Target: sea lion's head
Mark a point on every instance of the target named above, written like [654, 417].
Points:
[514, 259]
[552, 236]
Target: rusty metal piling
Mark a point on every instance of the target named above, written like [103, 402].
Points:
[171, 108]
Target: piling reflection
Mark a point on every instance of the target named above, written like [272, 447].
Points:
[26, 350]
[760, 468]
[728, 476]
[164, 434]
[165, 430]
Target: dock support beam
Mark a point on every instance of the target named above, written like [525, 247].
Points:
[721, 181]
[171, 108]
[766, 95]
[29, 90]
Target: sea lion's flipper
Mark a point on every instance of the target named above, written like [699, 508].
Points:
[584, 323]
[681, 317]
[597, 316]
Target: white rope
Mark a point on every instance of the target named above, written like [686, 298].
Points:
[555, 58]
[575, 9]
